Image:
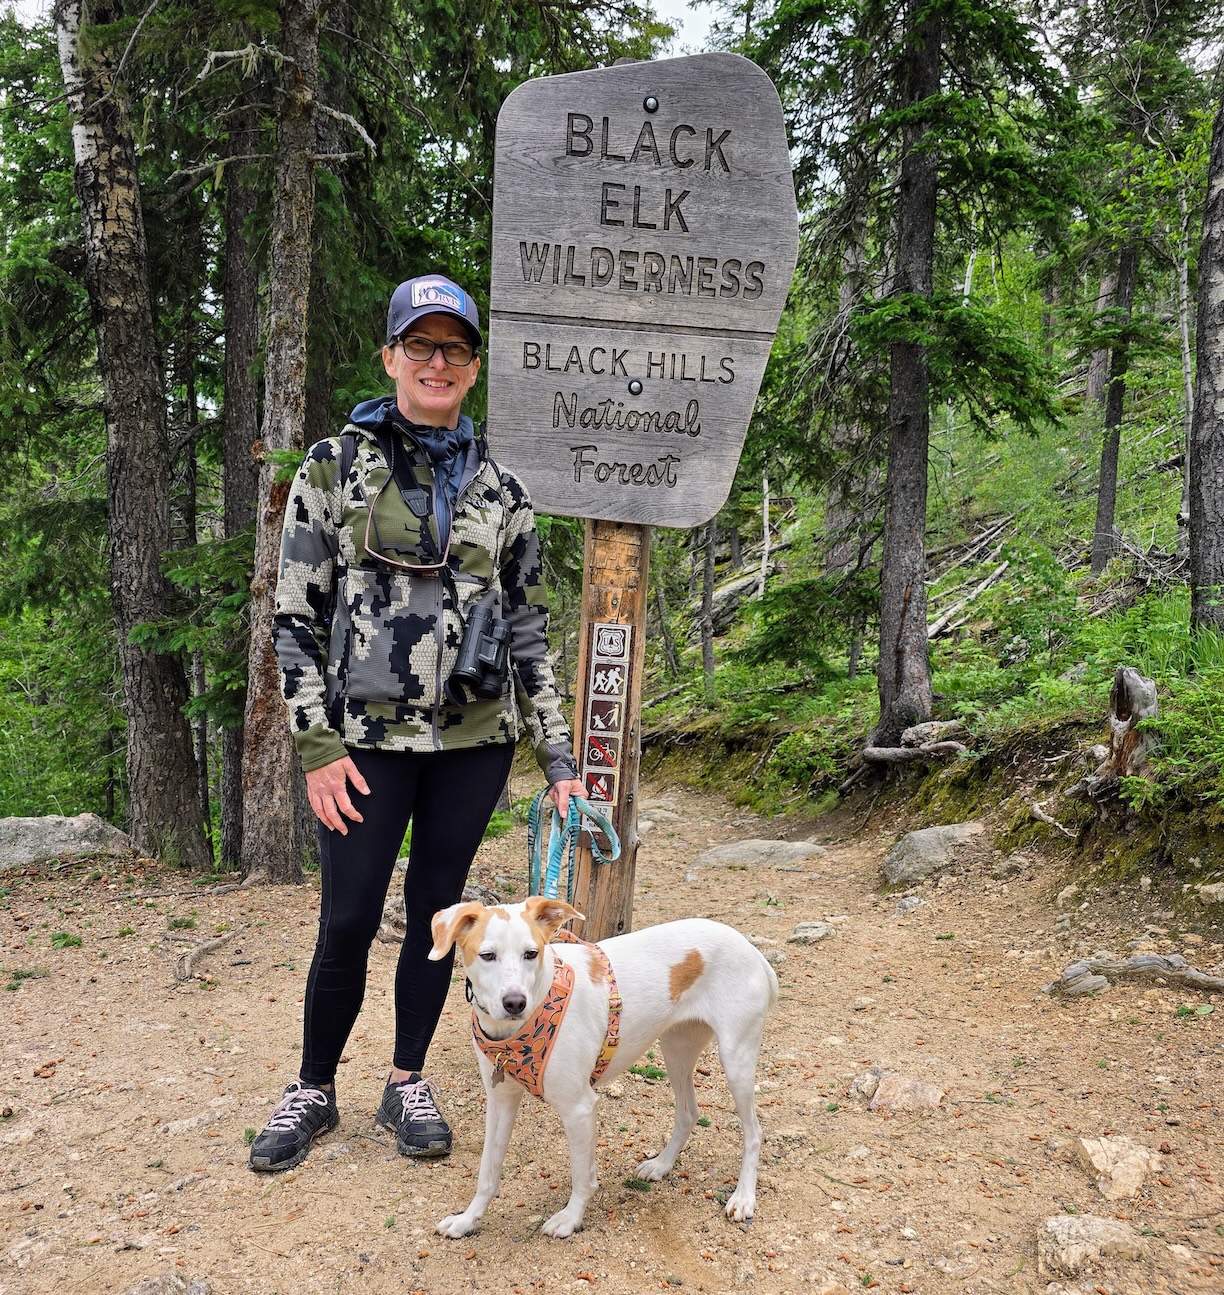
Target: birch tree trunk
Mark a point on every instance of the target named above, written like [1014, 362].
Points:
[164, 807]
[904, 676]
[1206, 458]
[271, 774]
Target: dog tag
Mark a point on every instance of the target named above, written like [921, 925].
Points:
[499, 1076]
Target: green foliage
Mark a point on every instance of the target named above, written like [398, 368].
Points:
[61, 723]
[975, 357]
[1036, 613]
[20, 974]
[800, 622]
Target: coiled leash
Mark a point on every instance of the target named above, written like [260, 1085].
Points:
[545, 879]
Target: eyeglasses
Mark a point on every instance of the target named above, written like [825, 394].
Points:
[375, 550]
[422, 350]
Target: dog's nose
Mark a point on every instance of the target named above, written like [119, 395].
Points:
[514, 1004]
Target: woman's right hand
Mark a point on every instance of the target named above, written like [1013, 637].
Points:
[327, 788]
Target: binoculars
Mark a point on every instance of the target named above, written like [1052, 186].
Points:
[484, 650]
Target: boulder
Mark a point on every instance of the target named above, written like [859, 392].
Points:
[28, 841]
[921, 854]
[1068, 1243]
[1118, 1165]
[887, 1090]
[758, 854]
[810, 933]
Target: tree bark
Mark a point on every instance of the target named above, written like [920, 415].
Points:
[1206, 457]
[1104, 537]
[707, 608]
[240, 472]
[1097, 380]
[1185, 312]
[904, 677]
[165, 814]
[271, 839]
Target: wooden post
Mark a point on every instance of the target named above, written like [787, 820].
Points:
[612, 644]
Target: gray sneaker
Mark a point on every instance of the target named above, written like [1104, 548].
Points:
[300, 1116]
[410, 1108]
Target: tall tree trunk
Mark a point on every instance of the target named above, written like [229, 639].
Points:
[240, 473]
[1206, 458]
[1097, 381]
[707, 608]
[185, 426]
[669, 647]
[904, 676]
[165, 813]
[766, 535]
[1184, 316]
[1104, 536]
[271, 773]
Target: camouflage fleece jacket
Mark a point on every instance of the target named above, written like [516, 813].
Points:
[365, 652]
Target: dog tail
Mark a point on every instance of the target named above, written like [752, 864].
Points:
[772, 977]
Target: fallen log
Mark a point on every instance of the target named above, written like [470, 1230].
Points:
[182, 971]
[933, 631]
[900, 754]
[1087, 975]
[1042, 817]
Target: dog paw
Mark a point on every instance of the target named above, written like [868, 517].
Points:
[741, 1206]
[456, 1226]
[562, 1224]
[651, 1171]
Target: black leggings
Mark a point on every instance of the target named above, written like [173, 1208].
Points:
[449, 796]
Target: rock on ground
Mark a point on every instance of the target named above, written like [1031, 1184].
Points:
[918, 855]
[1070, 1242]
[764, 854]
[28, 841]
[1119, 1165]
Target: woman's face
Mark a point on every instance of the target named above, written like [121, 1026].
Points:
[431, 391]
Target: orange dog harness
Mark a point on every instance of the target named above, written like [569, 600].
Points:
[524, 1056]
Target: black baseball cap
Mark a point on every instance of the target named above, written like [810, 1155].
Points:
[431, 294]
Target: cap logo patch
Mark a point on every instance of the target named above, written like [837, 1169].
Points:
[439, 294]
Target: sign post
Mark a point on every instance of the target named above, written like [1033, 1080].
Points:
[644, 238]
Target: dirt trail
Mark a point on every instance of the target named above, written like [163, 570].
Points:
[122, 1157]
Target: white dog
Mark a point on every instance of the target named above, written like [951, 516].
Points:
[683, 983]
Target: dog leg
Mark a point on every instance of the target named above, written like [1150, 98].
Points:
[739, 1060]
[502, 1107]
[682, 1046]
[579, 1121]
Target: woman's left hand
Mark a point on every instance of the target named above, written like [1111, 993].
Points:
[562, 791]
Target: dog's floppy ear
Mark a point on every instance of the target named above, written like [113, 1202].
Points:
[450, 924]
[550, 913]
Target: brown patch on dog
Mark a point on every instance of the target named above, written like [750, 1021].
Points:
[685, 974]
[470, 941]
[597, 969]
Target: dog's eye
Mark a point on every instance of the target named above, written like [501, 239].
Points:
[530, 955]
[488, 956]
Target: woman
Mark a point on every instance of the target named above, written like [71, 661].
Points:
[406, 551]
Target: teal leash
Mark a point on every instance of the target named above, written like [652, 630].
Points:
[545, 878]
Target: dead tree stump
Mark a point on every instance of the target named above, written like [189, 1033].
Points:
[1132, 698]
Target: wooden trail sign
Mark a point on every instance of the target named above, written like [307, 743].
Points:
[644, 238]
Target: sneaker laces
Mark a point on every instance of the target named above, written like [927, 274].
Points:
[418, 1102]
[293, 1105]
